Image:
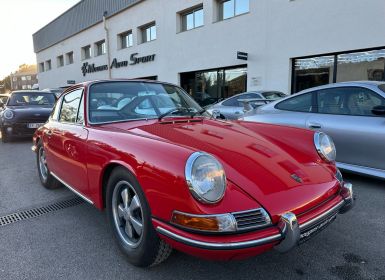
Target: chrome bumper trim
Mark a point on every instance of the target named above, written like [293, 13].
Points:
[218, 246]
[323, 215]
[34, 148]
[72, 189]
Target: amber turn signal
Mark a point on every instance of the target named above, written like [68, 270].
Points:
[210, 223]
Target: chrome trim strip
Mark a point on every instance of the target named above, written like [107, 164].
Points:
[379, 173]
[72, 189]
[218, 246]
[320, 217]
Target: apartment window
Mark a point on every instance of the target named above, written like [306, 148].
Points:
[70, 57]
[126, 40]
[148, 33]
[14, 79]
[86, 52]
[100, 48]
[48, 65]
[60, 61]
[192, 18]
[28, 78]
[232, 8]
[29, 87]
[24, 87]
[41, 67]
[23, 78]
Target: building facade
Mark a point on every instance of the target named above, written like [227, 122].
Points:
[215, 48]
[25, 78]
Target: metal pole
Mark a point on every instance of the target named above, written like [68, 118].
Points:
[107, 44]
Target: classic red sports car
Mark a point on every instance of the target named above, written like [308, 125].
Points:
[171, 176]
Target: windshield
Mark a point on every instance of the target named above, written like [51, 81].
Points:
[273, 95]
[31, 99]
[123, 101]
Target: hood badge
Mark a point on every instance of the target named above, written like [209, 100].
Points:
[296, 178]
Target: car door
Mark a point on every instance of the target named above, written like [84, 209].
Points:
[69, 143]
[345, 113]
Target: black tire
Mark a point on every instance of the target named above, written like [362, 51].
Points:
[46, 178]
[146, 249]
[4, 137]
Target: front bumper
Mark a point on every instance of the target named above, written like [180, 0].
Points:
[288, 234]
[18, 130]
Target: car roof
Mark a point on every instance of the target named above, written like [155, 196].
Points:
[30, 91]
[344, 84]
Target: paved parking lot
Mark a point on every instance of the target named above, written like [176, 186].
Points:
[75, 242]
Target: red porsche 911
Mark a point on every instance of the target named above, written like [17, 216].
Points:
[171, 176]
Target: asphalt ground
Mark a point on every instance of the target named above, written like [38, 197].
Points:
[76, 243]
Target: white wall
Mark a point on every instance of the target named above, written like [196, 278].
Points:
[272, 33]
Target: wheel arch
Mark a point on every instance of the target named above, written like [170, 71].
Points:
[105, 175]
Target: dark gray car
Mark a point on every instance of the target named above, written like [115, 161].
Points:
[352, 113]
[233, 107]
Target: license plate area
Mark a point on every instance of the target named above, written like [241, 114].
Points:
[308, 233]
[35, 125]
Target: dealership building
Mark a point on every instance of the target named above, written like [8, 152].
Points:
[215, 48]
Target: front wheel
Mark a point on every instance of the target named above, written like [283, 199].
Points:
[130, 219]
[46, 178]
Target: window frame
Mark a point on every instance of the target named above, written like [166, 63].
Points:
[60, 61]
[69, 58]
[221, 9]
[190, 11]
[48, 64]
[346, 87]
[143, 31]
[314, 109]
[122, 38]
[87, 47]
[77, 114]
[100, 48]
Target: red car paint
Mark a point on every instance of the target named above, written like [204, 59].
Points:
[258, 159]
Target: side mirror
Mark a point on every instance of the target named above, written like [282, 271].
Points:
[2, 104]
[216, 114]
[379, 110]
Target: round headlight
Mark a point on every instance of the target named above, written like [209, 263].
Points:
[8, 114]
[205, 177]
[325, 146]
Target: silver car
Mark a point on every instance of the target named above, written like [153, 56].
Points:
[233, 107]
[352, 113]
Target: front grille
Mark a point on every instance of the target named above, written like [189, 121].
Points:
[252, 219]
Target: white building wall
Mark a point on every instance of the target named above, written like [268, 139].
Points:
[272, 33]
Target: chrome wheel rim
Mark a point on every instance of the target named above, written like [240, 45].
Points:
[43, 164]
[128, 214]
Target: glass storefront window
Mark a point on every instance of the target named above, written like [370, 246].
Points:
[314, 71]
[343, 67]
[207, 87]
[361, 66]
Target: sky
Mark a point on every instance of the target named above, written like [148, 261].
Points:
[19, 19]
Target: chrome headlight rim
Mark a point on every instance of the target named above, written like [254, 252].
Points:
[8, 111]
[189, 180]
[317, 142]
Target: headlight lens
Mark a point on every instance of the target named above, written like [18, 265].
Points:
[205, 177]
[325, 146]
[8, 114]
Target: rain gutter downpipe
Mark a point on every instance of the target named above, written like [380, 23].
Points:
[107, 43]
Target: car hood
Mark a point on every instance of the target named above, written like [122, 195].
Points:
[31, 112]
[256, 159]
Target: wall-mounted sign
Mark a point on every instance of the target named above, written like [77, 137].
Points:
[134, 59]
[242, 55]
[71, 82]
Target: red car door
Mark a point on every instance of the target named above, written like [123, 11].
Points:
[68, 148]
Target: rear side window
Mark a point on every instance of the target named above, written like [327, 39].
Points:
[300, 103]
[234, 101]
[70, 106]
[271, 95]
[354, 101]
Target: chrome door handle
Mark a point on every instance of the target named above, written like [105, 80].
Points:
[315, 125]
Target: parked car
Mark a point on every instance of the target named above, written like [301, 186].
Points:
[352, 113]
[170, 176]
[233, 107]
[56, 91]
[23, 112]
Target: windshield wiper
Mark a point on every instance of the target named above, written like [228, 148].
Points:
[198, 113]
[175, 110]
